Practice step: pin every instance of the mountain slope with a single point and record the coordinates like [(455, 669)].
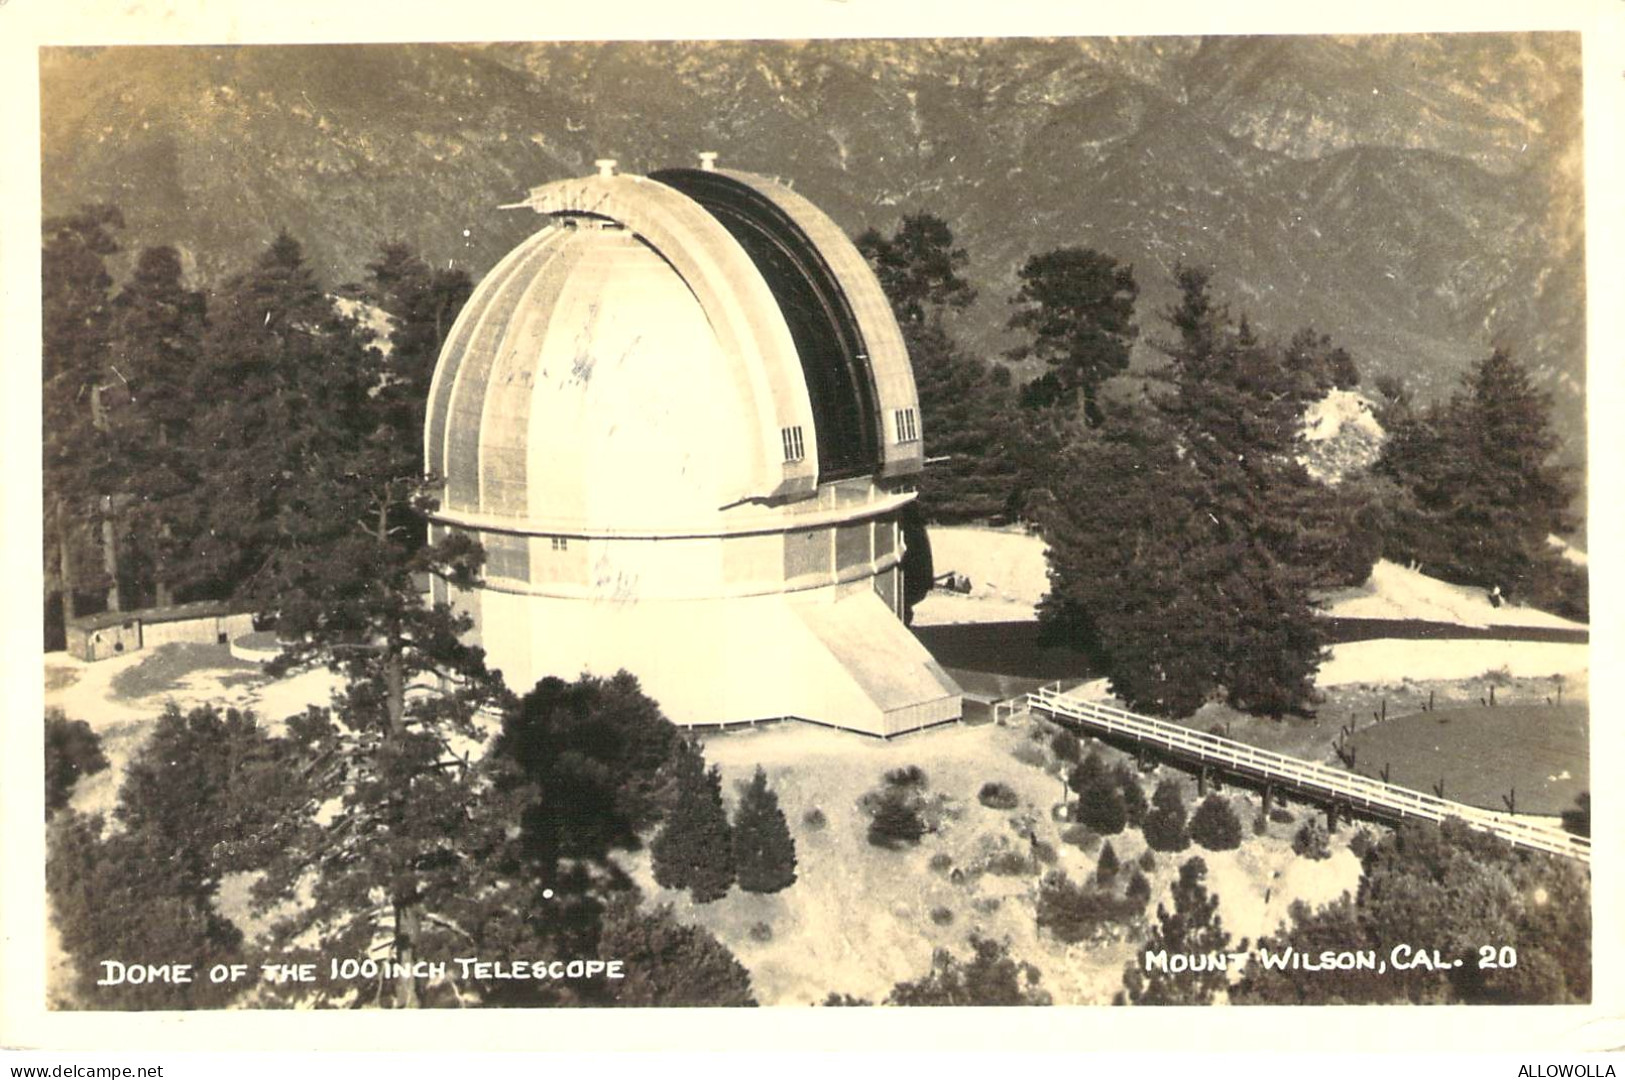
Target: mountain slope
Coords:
[(1417, 197)]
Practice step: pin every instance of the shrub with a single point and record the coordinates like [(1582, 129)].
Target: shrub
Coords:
[(1044, 852), (1072, 912), (908, 776), (1281, 816), (1138, 891), (941, 862), (997, 796), (814, 819), (1164, 825), (761, 931), (1106, 869), (896, 821), (1311, 840), (1215, 825), (1090, 772), (72, 750), (1066, 746), (1148, 860), (1134, 805), (764, 852), (1028, 754), (1081, 836), (694, 849), (1009, 864), (941, 916), (1361, 843), (1261, 825), (1101, 807)]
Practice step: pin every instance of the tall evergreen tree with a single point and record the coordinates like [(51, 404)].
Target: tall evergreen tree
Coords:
[(694, 848), (158, 342), (963, 404), (670, 964), (919, 268), (1193, 927), (764, 851), (1483, 489), (1177, 542), (1078, 305), (77, 330)]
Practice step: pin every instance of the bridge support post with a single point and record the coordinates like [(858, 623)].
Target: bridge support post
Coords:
[(1269, 799), (1331, 817), (1201, 781)]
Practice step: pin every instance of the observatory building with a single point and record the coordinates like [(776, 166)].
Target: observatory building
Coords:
[(681, 420)]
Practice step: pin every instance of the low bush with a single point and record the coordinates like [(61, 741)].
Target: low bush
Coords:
[(1361, 843), (1066, 746), (1281, 816), (1082, 837), (1261, 825), (908, 776), (1215, 825), (1044, 852), (941, 916), (1134, 804), (761, 932), (987, 905), (1028, 754), (1072, 912), (1164, 825), (941, 862), (814, 819), (997, 796), (1138, 891), (72, 751), (1009, 864), (1101, 807), (1106, 869), (1311, 840), (896, 821), (1148, 860)]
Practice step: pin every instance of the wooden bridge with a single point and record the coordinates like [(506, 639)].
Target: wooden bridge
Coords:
[(1324, 784)]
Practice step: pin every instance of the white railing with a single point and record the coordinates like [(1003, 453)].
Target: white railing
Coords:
[(1353, 789)]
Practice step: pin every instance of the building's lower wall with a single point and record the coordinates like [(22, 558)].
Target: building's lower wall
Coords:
[(728, 661), (209, 630)]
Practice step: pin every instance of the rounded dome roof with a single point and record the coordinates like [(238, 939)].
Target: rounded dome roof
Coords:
[(662, 351)]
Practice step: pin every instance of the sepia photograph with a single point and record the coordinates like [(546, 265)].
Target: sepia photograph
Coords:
[(812, 522)]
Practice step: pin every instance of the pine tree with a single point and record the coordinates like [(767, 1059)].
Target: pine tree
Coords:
[(963, 405), (1078, 305), (202, 791), (1215, 825), (694, 849), (1483, 489), (669, 964), (158, 331), (1164, 827), (1108, 865), (1193, 927), (919, 268), (1177, 545), (764, 852), (77, 328)]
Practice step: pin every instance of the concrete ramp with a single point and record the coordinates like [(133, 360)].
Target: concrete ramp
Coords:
[(873, 650)]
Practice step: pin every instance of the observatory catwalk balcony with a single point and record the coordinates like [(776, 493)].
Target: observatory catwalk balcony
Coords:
[(681, 420)]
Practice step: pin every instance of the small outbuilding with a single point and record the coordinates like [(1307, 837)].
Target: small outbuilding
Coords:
[(115, 633)]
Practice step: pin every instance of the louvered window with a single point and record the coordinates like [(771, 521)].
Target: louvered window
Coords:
[(794, 450), (908, 428)]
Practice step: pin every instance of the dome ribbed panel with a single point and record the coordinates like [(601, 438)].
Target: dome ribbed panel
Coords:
[(467, 402), (511, 388), (457, 343)]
